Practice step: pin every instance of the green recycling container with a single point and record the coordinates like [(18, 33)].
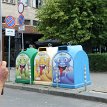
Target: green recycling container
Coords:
[(25, 66)]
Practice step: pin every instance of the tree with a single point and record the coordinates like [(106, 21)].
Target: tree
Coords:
[(72, 21)]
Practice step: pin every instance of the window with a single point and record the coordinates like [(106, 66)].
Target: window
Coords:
[(36, 3), (12, 1), (5, 1), (35, 22), (3, 19), (9, 1), (25, 2), (27, 22)]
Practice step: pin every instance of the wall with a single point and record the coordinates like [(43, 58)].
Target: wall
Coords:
[(12, 10)]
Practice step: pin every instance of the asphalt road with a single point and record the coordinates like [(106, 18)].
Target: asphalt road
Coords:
[(21, 98)]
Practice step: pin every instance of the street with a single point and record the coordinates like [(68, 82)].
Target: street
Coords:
[(21, 98)]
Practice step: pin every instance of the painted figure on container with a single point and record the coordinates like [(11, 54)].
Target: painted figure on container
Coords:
[(63, 68), (43, 71), (22, 67)]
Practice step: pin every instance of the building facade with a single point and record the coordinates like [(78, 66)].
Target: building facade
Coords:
[(10, 7), (30, 34)]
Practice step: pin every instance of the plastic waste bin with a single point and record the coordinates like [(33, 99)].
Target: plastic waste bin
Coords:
[(25, 66), (43, 65), (71, 67)]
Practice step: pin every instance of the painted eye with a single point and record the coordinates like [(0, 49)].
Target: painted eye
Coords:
[(58, 60), (65, 59)]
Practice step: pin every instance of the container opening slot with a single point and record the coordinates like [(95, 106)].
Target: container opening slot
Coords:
[(62, 48), (42, 49)]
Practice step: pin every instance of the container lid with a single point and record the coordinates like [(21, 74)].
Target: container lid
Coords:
[(30, 52)]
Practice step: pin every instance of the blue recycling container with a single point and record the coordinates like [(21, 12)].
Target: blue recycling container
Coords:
[(71, 67)]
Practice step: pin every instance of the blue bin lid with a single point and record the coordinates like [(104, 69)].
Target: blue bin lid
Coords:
[(71, 49)]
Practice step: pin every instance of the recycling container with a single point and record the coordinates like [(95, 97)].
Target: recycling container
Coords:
[(25, 66), (70, 67), (43, 65)]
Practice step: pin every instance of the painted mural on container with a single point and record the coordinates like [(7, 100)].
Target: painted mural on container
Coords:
[(42, 67), (63, 68), (23, 67)]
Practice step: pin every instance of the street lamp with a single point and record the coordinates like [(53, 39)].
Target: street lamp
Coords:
[(0, 30)]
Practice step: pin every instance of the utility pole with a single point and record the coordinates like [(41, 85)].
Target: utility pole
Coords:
[(0, 30)]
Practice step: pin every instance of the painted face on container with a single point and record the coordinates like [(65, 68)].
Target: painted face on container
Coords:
[(22, 66), (62, 63), (63, 68), (42, 67)]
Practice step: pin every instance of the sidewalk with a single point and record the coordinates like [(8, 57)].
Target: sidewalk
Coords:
[(97, 91)]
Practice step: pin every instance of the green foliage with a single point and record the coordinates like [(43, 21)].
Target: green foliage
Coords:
[(98, 62), (73, 21)]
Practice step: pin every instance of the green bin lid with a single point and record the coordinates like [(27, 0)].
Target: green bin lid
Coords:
[(30, 52)]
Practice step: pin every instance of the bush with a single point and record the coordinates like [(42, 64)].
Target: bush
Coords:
[(98, 62)]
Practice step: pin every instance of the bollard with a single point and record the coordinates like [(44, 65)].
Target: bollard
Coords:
[(57, 79), (85, 79), (30, 79)]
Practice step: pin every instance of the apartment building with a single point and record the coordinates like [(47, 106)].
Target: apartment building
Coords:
[(30, 34)]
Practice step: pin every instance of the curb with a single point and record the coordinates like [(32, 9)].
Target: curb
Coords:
[(58, 92)]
